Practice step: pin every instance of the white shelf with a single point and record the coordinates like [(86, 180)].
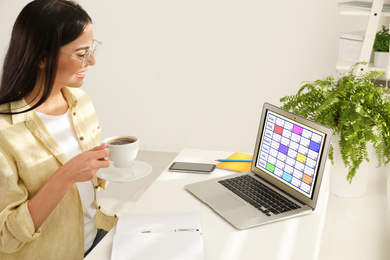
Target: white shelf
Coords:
[(349, 11), (343, 66)]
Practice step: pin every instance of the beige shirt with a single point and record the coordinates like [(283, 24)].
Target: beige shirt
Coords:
[(29, 155)]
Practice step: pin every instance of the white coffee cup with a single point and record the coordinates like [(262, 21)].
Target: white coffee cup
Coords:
[(122, 150)]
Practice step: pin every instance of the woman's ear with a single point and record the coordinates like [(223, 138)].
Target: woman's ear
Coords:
[(42, 63)]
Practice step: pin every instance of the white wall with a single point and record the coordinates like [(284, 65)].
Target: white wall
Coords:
[(195, 73)]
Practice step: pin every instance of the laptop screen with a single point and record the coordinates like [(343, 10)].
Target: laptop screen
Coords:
[(290, 152)]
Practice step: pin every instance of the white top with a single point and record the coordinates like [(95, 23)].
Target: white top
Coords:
[(62, 130)]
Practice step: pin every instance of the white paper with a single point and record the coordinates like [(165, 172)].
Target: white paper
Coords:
[(158, 236)]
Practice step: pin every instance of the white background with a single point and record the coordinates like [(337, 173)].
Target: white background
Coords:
[(195, 73)]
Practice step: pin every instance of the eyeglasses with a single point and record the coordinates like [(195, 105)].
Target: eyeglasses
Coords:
[(84, 58)]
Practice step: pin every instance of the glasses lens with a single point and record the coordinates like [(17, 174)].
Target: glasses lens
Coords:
[(96, 46), (85, 59)]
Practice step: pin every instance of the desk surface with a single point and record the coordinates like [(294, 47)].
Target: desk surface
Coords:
[(296, 238)]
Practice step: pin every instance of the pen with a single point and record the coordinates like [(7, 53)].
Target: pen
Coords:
[(233, 160), (175, 230), (186, 230)]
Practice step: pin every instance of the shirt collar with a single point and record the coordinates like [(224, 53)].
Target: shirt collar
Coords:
[(21, 105), (16, 106), (70, 97)]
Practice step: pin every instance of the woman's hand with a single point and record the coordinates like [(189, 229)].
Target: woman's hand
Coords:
[(84, 166)]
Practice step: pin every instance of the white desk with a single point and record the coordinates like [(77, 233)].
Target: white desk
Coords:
[(297, 238)]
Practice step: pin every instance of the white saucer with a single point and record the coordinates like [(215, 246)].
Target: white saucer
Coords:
[(136, 171)]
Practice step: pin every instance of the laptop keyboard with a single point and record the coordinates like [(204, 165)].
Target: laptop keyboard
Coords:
[(259, 195)]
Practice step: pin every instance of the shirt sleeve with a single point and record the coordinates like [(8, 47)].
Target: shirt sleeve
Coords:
[(16, 225)]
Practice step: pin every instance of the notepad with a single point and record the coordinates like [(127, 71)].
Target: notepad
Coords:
[(237, 166), (158, 236)]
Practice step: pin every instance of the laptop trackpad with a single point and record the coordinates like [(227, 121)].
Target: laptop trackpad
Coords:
[(224, 202)]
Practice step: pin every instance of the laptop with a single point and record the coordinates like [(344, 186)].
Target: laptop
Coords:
[(285, 178)]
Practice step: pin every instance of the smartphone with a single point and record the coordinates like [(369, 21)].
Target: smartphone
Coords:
[(192, 167)]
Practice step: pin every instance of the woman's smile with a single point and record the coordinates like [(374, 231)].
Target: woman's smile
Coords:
[(81, 74)]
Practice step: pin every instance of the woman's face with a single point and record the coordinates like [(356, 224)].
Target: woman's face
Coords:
[(70, 72)]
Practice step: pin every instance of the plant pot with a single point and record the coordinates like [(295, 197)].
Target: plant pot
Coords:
[(339, 185), (381, 59)]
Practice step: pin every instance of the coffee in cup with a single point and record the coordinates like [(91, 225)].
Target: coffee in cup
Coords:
[(121, 141), (122, 150)]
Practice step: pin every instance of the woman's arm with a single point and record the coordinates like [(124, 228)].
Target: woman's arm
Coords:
[(81, 168)]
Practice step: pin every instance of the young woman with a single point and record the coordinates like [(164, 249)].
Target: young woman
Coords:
[(49, 136)]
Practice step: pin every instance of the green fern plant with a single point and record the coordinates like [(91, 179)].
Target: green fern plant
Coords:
[(382, 40), (355, 108)]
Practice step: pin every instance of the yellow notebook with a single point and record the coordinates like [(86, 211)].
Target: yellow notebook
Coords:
[(237, 166)]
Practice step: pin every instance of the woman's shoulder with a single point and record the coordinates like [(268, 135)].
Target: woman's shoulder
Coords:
[(5, 107), (6, 119)]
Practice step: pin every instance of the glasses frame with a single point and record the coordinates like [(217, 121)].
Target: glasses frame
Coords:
[(86, 56)]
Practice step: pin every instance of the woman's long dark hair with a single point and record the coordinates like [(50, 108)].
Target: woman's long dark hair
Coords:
[(42, 27)]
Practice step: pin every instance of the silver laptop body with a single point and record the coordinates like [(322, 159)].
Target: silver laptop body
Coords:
[(289, 157)]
